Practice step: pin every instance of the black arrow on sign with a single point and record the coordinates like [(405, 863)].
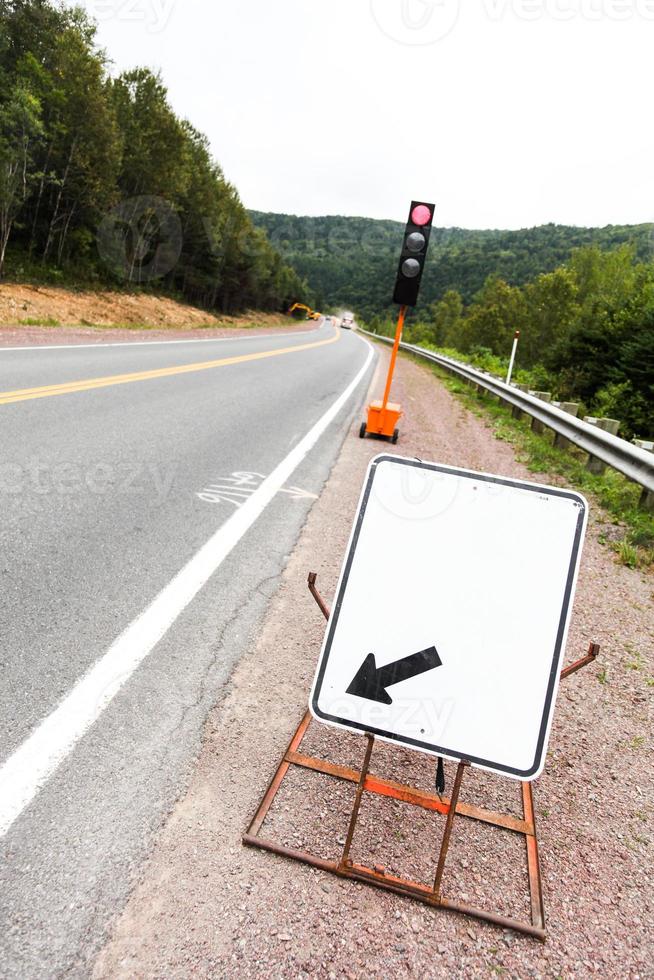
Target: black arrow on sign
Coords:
[(370, 681)]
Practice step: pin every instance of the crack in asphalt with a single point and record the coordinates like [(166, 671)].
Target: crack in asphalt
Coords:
[(216, 648)]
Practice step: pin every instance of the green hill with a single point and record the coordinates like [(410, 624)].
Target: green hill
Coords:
[(352, 261)]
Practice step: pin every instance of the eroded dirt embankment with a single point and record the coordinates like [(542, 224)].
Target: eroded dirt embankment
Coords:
[(52, 315)]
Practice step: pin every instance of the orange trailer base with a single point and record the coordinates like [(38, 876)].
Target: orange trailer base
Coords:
[(382, 422)]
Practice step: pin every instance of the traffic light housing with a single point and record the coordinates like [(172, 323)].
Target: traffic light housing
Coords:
[(414, 253)]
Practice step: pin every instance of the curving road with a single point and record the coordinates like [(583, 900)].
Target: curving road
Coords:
[(150, 494)]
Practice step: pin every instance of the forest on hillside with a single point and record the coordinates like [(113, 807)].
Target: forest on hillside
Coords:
[(101, 182), (586, 332), (351, 262)]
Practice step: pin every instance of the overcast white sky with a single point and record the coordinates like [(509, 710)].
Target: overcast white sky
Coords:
[(507, 113)]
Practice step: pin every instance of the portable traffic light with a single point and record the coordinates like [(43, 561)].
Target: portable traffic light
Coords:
[(384, 415), (414, 253)]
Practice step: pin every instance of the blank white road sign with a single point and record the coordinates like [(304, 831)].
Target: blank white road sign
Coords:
[(451, 615)]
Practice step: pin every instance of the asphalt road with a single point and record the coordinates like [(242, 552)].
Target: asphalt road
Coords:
[(109, 488)]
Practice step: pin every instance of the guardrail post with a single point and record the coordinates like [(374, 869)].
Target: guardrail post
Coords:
[(544, 396), (593, 464), (572, 408), (517, 413), (647, 496)]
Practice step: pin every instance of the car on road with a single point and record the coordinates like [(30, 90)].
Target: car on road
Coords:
[(347, 321)]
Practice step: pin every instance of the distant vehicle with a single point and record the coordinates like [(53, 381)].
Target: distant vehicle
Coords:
[(347, 321)]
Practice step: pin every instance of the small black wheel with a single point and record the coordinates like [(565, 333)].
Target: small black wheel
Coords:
[(362, 431), (396, 436)]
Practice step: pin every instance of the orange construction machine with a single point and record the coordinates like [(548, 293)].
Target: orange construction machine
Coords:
[(311, 314)]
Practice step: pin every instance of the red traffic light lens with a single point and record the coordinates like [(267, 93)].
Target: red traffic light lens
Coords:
[(421, 215)]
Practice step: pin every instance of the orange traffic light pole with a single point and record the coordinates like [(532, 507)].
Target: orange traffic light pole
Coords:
[(396, 347), (383, 416)]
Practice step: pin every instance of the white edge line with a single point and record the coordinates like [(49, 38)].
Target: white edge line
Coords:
[(154, 343), (30, 766)]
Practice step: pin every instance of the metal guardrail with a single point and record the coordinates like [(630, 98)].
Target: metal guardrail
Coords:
[(635, 463)]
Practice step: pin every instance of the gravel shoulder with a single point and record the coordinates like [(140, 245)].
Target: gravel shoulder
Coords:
[(207, 906)]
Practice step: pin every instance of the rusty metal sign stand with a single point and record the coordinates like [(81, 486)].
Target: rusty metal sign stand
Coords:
[(366, 782)]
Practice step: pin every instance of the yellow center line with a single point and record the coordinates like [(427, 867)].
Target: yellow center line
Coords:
[(70, 387)]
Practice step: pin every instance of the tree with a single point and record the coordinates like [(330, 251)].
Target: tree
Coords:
[(20, 128), (496, 313), (552, 310), (85, 147), (636, 363), (446, 316)]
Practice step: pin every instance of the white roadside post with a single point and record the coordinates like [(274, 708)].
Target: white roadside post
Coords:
[(513, 353)]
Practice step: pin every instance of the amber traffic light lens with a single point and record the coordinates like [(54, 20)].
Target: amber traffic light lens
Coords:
[(416, 242)]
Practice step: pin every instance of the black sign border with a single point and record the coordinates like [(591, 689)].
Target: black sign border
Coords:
[(558, 649)]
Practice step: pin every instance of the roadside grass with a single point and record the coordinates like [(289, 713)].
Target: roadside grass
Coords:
[(39, 321), (630, 530)]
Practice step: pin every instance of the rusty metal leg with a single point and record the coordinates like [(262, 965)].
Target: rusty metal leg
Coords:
[(533, 863), (278, 778), (345, 858), (322, 605), (448, 829), (591, 656)]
